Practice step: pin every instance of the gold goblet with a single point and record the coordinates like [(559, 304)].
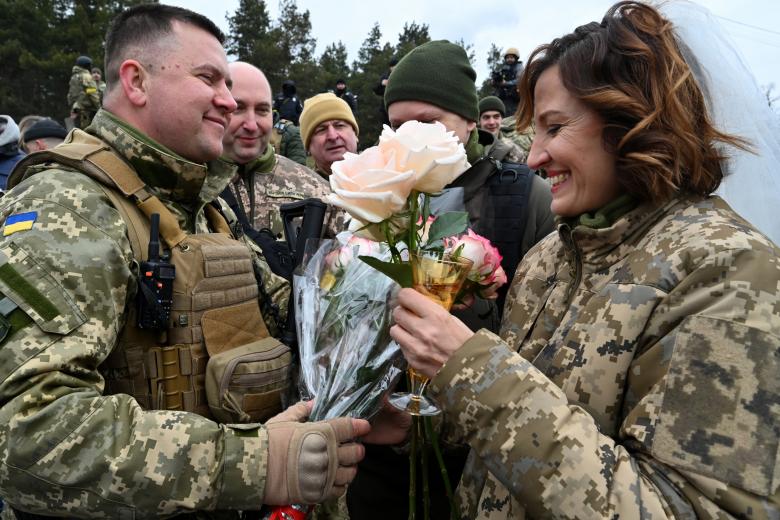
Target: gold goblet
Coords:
[(438, 277)]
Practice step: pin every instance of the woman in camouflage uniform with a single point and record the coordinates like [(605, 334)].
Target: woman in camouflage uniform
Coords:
[(636, 374)]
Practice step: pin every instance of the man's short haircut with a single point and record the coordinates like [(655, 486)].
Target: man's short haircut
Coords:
[(144, 25)]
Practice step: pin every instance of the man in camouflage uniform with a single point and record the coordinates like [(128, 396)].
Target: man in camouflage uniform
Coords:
[(265, 180), (491, 113), (68, 277), (286, 140), (329, 130), (521, 139), (83, 95)]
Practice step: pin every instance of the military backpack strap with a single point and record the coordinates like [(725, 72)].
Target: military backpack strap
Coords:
[(276, 252), (509, 190), (91, 156), (217, 220)]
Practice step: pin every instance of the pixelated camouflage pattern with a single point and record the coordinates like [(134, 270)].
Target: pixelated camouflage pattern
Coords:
[(287, 181), (636, 375), (65, 448), (519, 141), (83, 96)]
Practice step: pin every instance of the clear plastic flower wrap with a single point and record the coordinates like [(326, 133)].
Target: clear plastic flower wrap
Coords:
[(348, 360)]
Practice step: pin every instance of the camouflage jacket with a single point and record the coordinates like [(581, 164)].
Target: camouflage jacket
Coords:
[(82, 91), (287, 181), (636, 375), (65, 448), (519, 141), (286, 140)]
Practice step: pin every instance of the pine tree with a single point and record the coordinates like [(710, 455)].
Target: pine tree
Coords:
[(372, 61), (249, 29), (39, 43), (495, 59), (332, 67), (469, 48), (411, 36)]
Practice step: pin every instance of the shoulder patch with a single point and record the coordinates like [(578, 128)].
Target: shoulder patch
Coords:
[(19, 222)]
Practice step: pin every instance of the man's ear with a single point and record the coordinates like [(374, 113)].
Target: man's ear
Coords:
[(135, 81), (471, 126)]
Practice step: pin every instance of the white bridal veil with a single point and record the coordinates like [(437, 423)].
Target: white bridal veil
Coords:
[(752, 180)]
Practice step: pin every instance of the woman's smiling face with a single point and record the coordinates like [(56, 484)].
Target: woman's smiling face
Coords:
[(570, 147)]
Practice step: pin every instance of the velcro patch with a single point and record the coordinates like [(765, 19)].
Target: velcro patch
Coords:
[(19, 222)]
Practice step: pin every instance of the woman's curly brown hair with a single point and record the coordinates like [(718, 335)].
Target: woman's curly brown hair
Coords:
[(630, 70)]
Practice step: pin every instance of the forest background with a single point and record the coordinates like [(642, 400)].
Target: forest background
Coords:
[(40, 40)]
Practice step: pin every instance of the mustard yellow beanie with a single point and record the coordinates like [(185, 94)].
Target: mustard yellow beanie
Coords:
[(321, 108)]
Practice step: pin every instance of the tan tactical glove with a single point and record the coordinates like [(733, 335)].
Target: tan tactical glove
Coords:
[(309, 462)]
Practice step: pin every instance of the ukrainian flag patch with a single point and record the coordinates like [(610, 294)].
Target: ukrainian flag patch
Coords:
[(19, 222)]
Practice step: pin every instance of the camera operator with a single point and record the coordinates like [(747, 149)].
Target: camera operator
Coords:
[(505, 80)]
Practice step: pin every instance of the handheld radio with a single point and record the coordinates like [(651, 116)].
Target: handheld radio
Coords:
[(155, 284)]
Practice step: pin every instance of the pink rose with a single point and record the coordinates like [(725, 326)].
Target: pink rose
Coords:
[(490, 292), (486, 270), (338, 259)]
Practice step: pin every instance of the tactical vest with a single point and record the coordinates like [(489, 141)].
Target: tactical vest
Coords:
[(215, 320), (505, 210)]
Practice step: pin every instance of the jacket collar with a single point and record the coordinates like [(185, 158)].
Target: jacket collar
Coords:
[(599, 248), (167, 174)]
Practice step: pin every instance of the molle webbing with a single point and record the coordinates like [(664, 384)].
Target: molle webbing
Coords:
[(215, 292)]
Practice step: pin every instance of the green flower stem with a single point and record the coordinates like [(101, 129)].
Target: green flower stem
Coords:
[(413, 470), (385, 227), (413, 210), (426, 209), (430, 433), (425, 483)]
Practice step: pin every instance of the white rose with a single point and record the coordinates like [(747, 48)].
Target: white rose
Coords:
[(370, 186), (435, 155)]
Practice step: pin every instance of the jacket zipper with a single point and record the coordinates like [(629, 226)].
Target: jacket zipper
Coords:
[(569, 242)]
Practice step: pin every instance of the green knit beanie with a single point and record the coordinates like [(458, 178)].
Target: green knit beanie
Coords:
[(438, 73), (492, 103)]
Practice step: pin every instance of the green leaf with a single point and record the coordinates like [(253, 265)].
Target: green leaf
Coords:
[(401, 273), (448, 224)]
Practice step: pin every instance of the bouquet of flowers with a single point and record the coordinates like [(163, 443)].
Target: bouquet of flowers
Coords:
[(348, 360)]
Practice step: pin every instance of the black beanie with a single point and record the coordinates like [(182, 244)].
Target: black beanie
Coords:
[(44, 128), (85, 62), (439, 73), (492, 103)]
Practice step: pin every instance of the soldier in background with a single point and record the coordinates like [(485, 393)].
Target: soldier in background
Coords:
[(341, 92), (97, 75), (83, 95), (286, 140), (265, 179), (491, 114), (287, 103), (102, 414), (25, 123), (329, 130), (43, 135), (9, 148), (505, 79)]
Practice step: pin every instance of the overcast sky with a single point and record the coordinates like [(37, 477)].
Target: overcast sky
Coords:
[(519, 23)]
